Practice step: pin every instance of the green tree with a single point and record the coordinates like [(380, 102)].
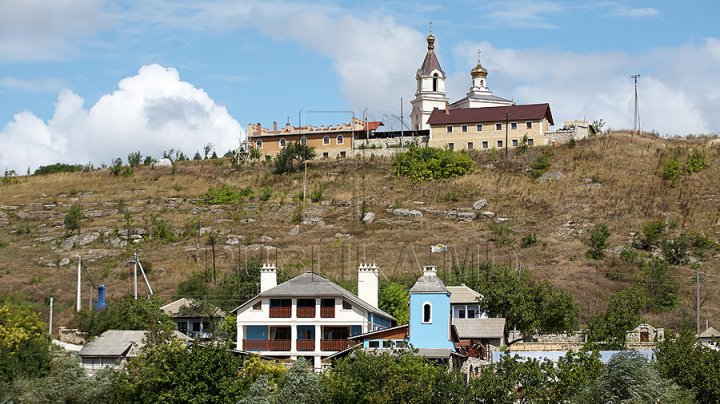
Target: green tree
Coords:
[(622, 315), (671, 170), (690, 365), (116, 166), (24, 344), (598, 241), (207, 148), (197, 156), (393, 297), (134, 159), (301, 385), (539, 166), (429, 163), (125, 314), (660, 288), (292, 157), (73, 218)]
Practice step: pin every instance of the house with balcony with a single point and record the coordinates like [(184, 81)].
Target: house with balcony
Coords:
[(195, 318), (308, 316)]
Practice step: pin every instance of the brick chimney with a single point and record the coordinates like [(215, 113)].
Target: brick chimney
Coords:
[(275, 126), (368, 283), (268, 277), (447, 108)]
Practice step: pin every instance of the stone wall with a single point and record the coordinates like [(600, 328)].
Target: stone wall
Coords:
[(571, 130)]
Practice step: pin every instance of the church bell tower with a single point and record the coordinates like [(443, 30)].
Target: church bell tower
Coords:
[(430, 92)]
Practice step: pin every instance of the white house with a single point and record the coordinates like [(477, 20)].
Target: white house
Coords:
[(308, 316)]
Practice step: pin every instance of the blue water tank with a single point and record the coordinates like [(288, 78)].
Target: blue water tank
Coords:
[(101, 303)]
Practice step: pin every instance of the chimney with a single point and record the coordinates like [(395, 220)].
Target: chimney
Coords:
[(429, 270), (275, 126), (368, 283), (268, 277), (447, 108)]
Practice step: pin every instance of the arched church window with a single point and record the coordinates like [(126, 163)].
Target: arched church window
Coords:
[(435, 82), (427, 313), (482, 83), (282, 142), (303, 141), (340, 139), (326, 140), (258, 144)]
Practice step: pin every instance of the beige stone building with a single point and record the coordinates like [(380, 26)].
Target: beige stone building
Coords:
[(489, 127), (331, 141)]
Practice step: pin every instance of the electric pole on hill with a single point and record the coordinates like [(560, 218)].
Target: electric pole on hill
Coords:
[(636, 117)]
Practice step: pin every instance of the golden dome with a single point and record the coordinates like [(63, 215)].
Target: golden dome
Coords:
[(431, 41), (479, 71)]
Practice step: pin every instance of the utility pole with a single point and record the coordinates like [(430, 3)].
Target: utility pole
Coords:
[(636, 117), (401, 123), (697, 302), (79, 280), (50, 328), (507, 119), (135, 268)]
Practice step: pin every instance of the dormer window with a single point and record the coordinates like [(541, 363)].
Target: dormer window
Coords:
[(427, 313)]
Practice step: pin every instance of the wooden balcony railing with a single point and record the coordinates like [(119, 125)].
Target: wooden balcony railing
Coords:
[(305, 344), (306, 312), (280, 312), (266, 344), (327, 312), (334, 344)]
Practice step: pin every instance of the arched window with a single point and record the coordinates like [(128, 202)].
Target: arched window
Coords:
[(340, 139), (427, 313), (435, 82), (282, 142), (258, 144), (482, 83), (326, 140), (303, 141)]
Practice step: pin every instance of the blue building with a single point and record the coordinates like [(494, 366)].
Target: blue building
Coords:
[(430, 324)]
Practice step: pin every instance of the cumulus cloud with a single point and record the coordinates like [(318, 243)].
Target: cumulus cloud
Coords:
[(151, 112), (679, 87)]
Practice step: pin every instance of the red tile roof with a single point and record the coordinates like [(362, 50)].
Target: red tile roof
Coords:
[(491, 114), (372, 125)]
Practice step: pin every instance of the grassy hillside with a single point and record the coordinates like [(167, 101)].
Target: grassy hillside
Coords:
[(615, 179)]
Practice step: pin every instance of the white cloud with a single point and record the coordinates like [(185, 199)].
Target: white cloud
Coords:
[(33, 30), (151, 112), (522, 13), (679, 87), (36, 85), (637, 13)]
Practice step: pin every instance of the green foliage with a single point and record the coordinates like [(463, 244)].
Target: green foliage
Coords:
[(622, 315), (134, 159), (163, 231), (429, 163), (630, 377), (690, 365), (226, 195), (660, 289), (528, 240), (292, 157), (24, 344), (596, 126), (116, 167), (671, 170), (301, 385), (265, 194), (124, 314), (572, 143), (57, 168), (539, 166), (3, 244), (317, 193), (653, 231), (697, 161), (523, 147), (629, 255), (193, 287), (73, 218), (502, 233), (598, 241), (393, 297), (674, 250), (9, 178), (149, 161), (380, 378)]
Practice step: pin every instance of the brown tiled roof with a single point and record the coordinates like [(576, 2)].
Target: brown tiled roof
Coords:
[(491, 114), (430, 63)]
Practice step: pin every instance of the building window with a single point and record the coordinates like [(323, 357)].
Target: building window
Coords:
[(326, 155), (258, 144), (373, 344), (463, 128), (303, 141), (282, 142), (461, 312), (342, 154), (513, 125), (499, 143), (435, 82), (449, 129), (530, 142), (470, 146), (401, 344), (257, 306), (340, 139), (347, 305), (451, 146), (498, 126), (478, 127), (528, 125), (485, 144), (387, 344), (515, 142), (471, 313), (427, 313), (326, 140)]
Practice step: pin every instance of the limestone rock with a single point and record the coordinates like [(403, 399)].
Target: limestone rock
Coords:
[(502, 219), (294, 231), (407, 212), (479, 204), (64, 262), (368, 217), (487, 213), (551, 176)]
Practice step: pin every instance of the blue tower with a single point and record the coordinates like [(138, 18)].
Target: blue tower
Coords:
[(430, 312), (101, 303)]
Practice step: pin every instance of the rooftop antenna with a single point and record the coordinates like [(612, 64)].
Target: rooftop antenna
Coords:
[(636, 117)]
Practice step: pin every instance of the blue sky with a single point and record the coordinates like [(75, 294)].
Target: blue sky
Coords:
[(90, 80)]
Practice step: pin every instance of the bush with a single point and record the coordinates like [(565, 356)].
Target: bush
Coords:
[(265, 194), (429, 163), (528, 241), (226, 194), (539, 166), (674, 250), (671, 170), (598, 241), (163, 231), (116, 167), (503, 234), (134, 159), (57, 168), (317, 193), (696, 162), (653, 231), (73, 218), (292, 157)]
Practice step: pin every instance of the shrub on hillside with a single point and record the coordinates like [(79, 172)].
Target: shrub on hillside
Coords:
[(539, 166), (226, 194), (671, 170), (696, 162), (292, 156), (57, 168), (429, 163), (599, 235)]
